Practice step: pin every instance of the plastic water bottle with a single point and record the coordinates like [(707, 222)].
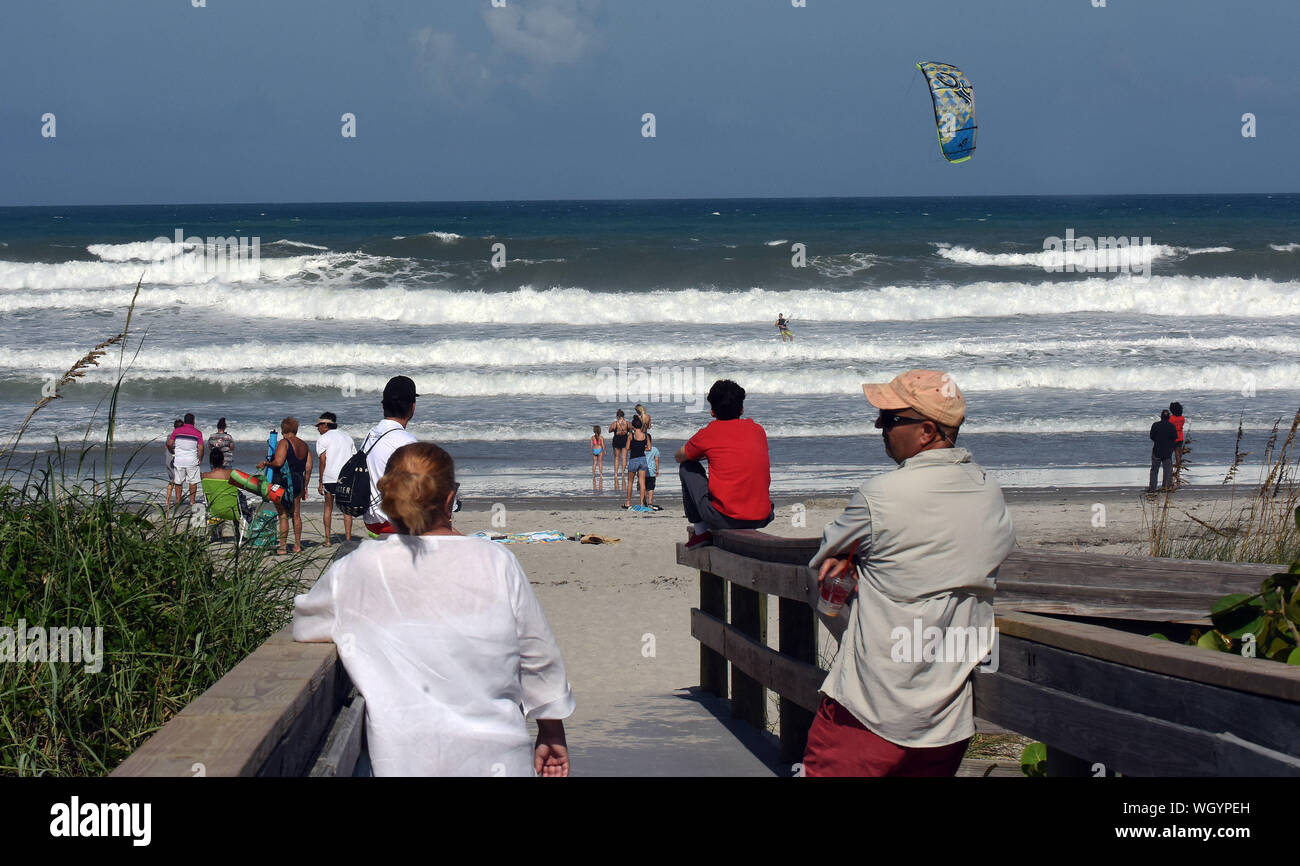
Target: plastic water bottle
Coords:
[(836, 591)]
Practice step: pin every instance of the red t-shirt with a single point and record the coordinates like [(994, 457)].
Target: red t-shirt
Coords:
[(1178, 421), (738, 467)]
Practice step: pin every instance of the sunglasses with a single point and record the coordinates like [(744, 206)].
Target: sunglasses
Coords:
[(890, 421)]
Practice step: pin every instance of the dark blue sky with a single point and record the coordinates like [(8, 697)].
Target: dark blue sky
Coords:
[(160, 102)]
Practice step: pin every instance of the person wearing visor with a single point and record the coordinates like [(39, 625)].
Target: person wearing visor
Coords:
[(925, 541)]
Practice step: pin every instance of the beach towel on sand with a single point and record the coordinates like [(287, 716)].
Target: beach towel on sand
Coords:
[(544, 536)]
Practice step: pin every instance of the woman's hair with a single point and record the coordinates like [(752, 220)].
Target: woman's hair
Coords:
[(640, 410), (289, 426), (636, 422), (415, 486), (217, 458), (1176, 408), (618, 414), (221, 425), (595, 429)]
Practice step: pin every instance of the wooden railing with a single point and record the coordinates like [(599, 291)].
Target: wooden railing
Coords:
[(288, 709), (1104, 700)]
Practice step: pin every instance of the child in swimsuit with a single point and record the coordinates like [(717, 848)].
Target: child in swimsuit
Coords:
[(597, 444), (620, 430)]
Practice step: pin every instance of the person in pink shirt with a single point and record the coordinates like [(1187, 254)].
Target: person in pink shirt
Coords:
[(186, 447)]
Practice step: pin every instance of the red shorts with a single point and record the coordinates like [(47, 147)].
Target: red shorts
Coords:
[(839, 745)]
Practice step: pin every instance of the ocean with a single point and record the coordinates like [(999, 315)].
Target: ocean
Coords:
[(592, 306)]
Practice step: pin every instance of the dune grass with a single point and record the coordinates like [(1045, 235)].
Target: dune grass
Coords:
[(1257, 521), (76, 551)]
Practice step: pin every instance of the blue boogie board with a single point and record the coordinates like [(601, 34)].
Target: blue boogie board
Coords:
[(271, 442)]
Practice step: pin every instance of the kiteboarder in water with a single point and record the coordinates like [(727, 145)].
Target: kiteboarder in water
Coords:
[(783, 326)]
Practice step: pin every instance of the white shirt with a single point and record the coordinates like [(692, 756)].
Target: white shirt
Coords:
[(377, 461), (931, 535), (447, 643), (337, 446)]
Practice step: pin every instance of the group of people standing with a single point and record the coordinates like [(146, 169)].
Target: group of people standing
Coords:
[(1170, 444), (636, 459), (290, 466)]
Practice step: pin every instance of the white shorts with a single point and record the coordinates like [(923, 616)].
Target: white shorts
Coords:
[(185, 475)]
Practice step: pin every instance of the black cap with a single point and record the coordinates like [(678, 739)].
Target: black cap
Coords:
[(1164, 413), (400, 388)]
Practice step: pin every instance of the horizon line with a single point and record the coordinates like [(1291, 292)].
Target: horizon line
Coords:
[(651, 199)]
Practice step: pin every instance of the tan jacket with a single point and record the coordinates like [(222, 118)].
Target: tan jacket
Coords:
[(931, 535)]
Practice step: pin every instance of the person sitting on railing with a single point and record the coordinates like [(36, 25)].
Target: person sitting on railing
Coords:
[(929, 537), (733, 493), (443, 637)]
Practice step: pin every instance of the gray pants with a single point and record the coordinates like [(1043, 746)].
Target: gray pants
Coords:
[(699, 507), (1157, 464)]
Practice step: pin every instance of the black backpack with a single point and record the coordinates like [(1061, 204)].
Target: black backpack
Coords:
[(353, 493)]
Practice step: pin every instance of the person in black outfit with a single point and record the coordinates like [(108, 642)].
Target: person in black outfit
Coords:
[(1164, 434)]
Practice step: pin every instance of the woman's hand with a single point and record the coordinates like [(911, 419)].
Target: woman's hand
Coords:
[(551, 753)]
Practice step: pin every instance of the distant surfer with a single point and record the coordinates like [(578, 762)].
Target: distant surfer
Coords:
[(783, 326)]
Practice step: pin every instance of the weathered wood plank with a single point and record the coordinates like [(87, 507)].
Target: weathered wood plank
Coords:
[(990, 768), (713, 666), (780, 579), (1029, 563), (342, 747), (1270, 722), (765, 547), (798, 681), (1110, 596), (1151, 615), (1256, 676), (749, 617), (1123, 741), (237, 726), (797, 627)]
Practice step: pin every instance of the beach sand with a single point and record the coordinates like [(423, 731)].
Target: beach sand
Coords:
[(621, 611)]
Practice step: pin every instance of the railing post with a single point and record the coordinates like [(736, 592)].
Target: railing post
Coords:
[(797, 625), (749, 616), (713, 601)]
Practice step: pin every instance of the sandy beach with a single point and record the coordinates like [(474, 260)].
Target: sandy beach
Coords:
[(620, 611)]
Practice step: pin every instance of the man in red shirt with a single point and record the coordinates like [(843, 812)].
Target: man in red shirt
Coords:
[(733, 493)]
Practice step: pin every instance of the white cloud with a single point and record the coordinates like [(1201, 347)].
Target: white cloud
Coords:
[(453, 72), (546, 32), (528, 38)]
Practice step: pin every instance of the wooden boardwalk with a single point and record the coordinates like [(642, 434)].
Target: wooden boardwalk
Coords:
[(1136, 705)]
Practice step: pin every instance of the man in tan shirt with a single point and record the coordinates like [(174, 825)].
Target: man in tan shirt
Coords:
[(926, 541)]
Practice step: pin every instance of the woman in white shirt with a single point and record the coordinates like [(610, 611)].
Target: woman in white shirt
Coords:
[(443, 637)]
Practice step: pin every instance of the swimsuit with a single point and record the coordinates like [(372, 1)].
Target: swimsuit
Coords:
[(596, 449), (292, 475), (620, 439)]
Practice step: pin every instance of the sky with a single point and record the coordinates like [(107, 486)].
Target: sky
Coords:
[(162, 101)]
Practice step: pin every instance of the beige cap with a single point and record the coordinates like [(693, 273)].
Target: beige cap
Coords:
[(932, 393)]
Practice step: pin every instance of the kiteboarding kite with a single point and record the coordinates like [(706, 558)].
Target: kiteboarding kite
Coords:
[(954, 109)]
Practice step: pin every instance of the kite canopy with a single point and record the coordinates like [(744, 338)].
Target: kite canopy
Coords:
[(954, 109)]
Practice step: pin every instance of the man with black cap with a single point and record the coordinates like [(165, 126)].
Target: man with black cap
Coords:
[(1165, 436), (385, 438)]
